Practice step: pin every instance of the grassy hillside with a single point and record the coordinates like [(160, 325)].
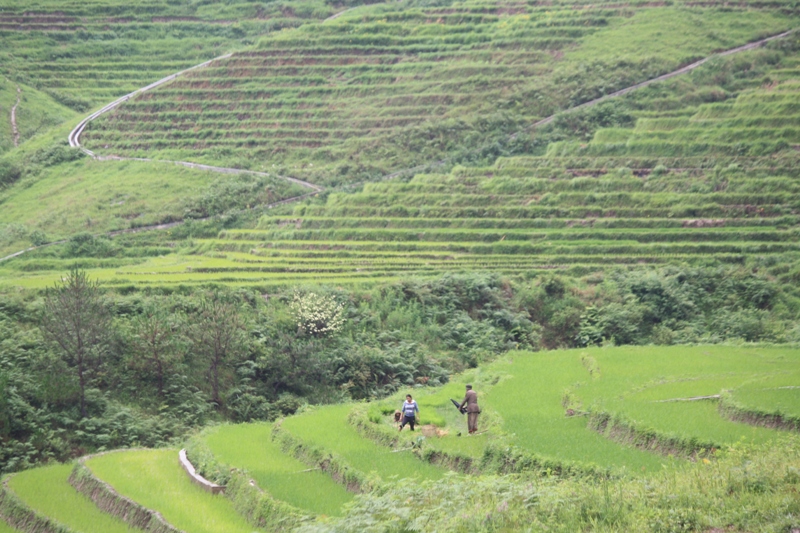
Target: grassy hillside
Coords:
[(35, 113), (696, 170), (85, 54), (394, 86), (89, 196)]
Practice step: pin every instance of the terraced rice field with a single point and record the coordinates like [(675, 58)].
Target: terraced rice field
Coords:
[(525, 397), (86, 54), (47, 491), (327, 428), (698, 184), (250, 447), (757, 122), (386, 86), (775, 394), (155, 479)]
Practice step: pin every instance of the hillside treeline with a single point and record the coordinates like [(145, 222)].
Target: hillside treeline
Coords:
[(83, 369)]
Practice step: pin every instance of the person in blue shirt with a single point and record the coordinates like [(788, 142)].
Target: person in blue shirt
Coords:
[(409, 410)]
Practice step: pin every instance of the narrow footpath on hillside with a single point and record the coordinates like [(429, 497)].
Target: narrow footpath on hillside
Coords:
[(14, 129), (75, 134)]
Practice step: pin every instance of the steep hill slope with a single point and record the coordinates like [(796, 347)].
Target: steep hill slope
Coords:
[(84, 54), (25, 113), (384, 88)]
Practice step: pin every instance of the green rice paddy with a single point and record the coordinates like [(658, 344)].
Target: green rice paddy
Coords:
[(47, 491), (525, 397), (5, 528), (327, 428), (772, 394), (530, 404), (155, 479), (637, 381), (249, 446)]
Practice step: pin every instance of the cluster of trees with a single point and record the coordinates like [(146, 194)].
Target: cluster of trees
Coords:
[(84, 369)]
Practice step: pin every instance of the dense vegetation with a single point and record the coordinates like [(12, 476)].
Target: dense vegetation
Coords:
[(367, 344)]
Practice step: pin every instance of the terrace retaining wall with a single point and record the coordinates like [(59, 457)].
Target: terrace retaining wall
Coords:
[(341, 472), (196, 478), (110, 501), (625, 432), (738, 413)]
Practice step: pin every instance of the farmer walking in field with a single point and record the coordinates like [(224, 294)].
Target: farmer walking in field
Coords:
[(410, 410), (471, 401)]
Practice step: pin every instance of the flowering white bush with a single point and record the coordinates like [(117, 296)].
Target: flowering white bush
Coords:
[(317, 314)]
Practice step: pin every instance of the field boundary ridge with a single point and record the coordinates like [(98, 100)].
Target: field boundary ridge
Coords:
[(196, 478), (258, 506), (497, 458), (21, 517), (622, 431), (737, 412), (342, 472), (108, 500)]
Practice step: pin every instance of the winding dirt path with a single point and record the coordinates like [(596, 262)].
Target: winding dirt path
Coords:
[(683, 70), (75, 134), (621, 92), (14, 129)]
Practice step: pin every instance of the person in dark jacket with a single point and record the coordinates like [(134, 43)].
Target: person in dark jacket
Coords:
[(471, 402), (410, 410)]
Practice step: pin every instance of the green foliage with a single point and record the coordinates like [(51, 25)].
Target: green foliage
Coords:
[(682, 305), (75, 321), (240, 192), (701, 497)]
